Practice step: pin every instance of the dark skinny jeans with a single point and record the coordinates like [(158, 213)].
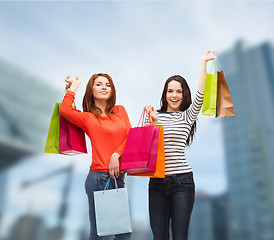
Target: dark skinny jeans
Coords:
[(171, 198)]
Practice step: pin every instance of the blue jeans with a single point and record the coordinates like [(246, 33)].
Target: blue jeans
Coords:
[(171, 198), (96, 181)]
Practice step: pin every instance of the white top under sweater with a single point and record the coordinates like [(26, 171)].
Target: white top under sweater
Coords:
[(177, 126)]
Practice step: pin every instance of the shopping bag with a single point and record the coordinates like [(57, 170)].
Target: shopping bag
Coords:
[(71, 138), (160, 165), (210, 93), (140, 154), (52, 143), (224, 101), (112, 211)]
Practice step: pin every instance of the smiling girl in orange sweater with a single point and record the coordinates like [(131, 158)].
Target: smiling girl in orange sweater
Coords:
[(107, 126)]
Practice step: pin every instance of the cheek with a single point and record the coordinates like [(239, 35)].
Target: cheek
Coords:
[(109, 90), (168, 95), (95, 90), (181, 100)]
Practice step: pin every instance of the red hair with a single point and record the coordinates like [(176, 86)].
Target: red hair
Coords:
[(88, 100)]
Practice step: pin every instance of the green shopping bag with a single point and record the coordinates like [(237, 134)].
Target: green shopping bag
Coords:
[(52, 143), (210, 94)]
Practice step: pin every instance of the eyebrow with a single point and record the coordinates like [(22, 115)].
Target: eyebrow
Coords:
[(176, 89), (102, 82)]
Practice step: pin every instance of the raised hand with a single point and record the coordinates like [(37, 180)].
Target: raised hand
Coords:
[(72, 85), (207, 57)]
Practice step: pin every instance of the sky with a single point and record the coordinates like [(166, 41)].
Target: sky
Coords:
[(140, 44)]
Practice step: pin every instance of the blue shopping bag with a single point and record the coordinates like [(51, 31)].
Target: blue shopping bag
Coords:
[(112, 211)]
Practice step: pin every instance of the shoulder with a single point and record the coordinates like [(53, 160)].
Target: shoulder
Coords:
[(119, 109), (88, 115)]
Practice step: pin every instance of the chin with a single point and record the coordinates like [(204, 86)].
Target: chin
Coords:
[(102, 98), (175, 107)]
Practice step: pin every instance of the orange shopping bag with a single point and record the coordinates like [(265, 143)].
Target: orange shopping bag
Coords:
[(160, 165)]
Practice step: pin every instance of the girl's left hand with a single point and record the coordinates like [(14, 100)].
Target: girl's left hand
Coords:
[(207, 57), (114, 165), (153, 114)]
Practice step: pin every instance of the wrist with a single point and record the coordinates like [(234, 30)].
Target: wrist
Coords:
[(116, 155), (74, 87), (203, 61), (154, 122)]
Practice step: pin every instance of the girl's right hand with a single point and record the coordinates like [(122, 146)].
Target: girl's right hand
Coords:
[(72, 85), (153, 114), (208, 57)]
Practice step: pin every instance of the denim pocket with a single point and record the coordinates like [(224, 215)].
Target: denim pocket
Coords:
[(185, 179), (152, 181), (102, 178), (155, 183), (121, 180), (121, 176)]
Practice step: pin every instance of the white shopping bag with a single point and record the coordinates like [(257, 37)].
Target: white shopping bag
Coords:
[(112, 211)]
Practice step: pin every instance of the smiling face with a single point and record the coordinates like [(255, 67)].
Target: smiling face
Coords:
[(174, 96), (101, 88)]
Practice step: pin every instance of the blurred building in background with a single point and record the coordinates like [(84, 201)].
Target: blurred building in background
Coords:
[(246, 212), (209, 217), (249, 141), (26, 105), (28, 227), (25, 109)]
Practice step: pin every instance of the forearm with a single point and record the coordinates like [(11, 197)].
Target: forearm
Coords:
[(75, 117), (201, 86), (66, 106), (73, 84), (121, 148), (73, 88)]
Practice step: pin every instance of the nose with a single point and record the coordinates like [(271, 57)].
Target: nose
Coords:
[(174, 94)]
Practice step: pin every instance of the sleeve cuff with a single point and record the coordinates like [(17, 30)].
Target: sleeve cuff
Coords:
[(119, 152), (70, 93), (199, 93)]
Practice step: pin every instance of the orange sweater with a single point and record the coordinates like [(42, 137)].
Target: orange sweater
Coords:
[(107, 135)]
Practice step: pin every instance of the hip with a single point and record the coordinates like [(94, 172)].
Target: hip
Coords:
[(174, 182), (96, 181)]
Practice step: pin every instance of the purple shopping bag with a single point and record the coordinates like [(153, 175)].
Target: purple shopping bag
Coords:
[(71, 138), (140, 154)]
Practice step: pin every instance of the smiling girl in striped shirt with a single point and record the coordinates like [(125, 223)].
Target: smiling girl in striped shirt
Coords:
[(172, 197)]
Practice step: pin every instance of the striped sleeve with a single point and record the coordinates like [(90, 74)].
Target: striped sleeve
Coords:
[(194, 109)]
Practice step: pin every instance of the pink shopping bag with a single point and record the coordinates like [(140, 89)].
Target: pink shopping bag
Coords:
[(140, 154), (71, 138)]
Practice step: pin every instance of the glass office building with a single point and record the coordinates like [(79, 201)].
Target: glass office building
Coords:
[(26, 105), (249, 141), (209, 217)]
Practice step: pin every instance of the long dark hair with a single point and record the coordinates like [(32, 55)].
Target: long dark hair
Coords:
[(184, 105), (88, 100)]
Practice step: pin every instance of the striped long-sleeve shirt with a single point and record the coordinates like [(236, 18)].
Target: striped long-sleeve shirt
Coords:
[(177, 126)]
